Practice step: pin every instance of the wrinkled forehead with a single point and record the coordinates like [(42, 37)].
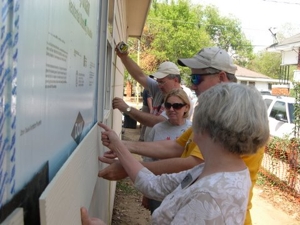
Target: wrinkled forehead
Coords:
[(163, 79)]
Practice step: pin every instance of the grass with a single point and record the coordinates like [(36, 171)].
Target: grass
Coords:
[(261, 180), (126, 187)]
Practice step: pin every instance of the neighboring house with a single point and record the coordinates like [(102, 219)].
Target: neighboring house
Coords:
[(251, 78), (290, 55), (58, 76), (289, 49)]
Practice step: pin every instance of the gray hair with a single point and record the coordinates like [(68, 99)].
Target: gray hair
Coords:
[(233, 115), (173, 76)]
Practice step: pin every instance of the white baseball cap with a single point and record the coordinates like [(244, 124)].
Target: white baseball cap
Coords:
[(212, 57), (165, 69)]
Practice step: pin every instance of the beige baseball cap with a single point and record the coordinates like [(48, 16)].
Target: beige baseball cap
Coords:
[(211, 57), (165, 69)]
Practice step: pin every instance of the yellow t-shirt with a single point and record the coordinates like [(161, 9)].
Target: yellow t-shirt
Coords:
[(190, 147), (253, 162)]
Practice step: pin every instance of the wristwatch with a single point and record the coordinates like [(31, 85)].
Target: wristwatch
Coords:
[(128, 110)]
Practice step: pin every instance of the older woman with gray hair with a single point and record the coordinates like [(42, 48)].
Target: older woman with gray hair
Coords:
[(229, 121)]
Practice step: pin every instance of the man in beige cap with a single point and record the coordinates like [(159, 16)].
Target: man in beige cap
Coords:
[(167, 78)]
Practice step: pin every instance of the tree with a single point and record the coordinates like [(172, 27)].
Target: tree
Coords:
[(177, 29), (286, 30), (267, 63), (226, 32)]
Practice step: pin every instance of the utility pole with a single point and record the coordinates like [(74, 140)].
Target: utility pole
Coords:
[(273, 34)]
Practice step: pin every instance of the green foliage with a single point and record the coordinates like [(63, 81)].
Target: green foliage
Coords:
[(286, 30), (125, 187), (226, 32), (277, 148), (267, 63), (297, 109), (261, 180), (177, 29)]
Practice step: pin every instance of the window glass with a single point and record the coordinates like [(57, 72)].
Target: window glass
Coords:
[(109, 76), (291, 112), (251, 83), (278, 108), (111, 16), (269, 86)]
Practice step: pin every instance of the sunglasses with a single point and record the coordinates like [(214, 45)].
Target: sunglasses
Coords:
[(175, 105), (196, 79)]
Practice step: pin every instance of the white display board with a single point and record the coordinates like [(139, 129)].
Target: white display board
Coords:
[(55, 70)]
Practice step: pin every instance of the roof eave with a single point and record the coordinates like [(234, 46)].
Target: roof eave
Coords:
[(137, 12)]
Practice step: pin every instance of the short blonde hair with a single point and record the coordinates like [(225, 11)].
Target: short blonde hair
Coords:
[(234, 115), (180, 93)]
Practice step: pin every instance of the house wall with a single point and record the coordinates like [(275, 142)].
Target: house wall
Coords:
[(282, 90), (260, 85), (289, 57), (58, 74)]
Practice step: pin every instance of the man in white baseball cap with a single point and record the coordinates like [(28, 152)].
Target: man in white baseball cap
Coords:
[(167, 78), (165, 69)]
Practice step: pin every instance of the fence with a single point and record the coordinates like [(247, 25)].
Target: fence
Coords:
[(281, 165)]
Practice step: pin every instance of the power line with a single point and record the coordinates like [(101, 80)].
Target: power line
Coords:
[(199, 24), (283, 2)]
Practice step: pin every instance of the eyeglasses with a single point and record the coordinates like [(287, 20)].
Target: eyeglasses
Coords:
[(161, 83), (196, 79), (175, 105)]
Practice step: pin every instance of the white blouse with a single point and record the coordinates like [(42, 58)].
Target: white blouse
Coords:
[(220, 198)]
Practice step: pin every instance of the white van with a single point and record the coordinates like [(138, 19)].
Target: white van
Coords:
[(281, 115)]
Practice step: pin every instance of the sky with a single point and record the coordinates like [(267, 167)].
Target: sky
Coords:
[(258, 16)]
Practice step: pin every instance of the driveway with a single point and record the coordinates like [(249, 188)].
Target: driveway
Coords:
[(264, 213)]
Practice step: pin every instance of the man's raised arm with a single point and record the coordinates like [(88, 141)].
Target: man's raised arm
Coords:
[(133, 69)]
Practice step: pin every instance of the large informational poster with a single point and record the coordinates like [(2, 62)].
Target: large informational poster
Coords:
[(54, 66)]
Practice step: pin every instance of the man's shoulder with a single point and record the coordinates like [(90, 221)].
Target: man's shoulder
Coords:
[(151, 83)]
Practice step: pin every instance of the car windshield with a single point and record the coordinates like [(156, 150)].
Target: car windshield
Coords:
[(291, 112)]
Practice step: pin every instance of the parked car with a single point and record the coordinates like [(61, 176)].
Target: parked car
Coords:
[(281, 115), (265, 92)]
